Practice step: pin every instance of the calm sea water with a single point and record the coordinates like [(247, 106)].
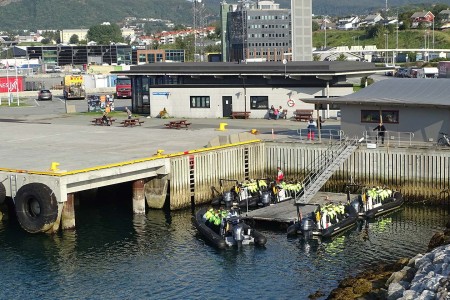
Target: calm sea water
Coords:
[(115, 255)]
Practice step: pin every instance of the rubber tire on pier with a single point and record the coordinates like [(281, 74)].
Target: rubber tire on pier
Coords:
[(36, 207), (2, 193)]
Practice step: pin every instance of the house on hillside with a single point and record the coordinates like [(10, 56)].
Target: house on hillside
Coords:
[(422, 17), (445, 15), (418, 109), (445, 19), (371, 20), (348, 23)]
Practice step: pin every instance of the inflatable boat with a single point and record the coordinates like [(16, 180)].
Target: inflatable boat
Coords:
[(325, 221), (250, 193), (254, 193), (377, 201), (225, 229)]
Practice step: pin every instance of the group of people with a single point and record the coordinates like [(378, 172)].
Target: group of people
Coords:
[(276, 113), (105, 115)]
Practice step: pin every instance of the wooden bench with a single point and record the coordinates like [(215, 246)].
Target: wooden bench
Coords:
[(240, 114), (99, 121), (303, 114), (178, 124), (131, 122)]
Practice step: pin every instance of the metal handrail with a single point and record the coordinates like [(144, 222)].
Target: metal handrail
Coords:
[(325, 134), (390, 137), (330, 154)]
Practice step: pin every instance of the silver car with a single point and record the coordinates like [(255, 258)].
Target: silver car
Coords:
[(45, 95)]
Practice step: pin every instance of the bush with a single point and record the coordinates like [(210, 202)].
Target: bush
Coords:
[(363, 81)]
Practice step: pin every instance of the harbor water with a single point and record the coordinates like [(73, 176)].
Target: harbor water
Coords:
[(115, 255)]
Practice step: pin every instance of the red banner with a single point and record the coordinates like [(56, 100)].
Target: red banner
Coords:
[(11, 84)]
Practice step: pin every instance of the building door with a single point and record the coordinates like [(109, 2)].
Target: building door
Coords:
[(227, 104)]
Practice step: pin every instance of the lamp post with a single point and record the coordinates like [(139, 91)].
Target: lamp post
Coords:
[(386, 46)]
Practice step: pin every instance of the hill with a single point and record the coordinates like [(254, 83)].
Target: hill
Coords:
[(57, 14)]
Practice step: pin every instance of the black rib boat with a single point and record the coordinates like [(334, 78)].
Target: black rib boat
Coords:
[(232, 231), (323, 222), (372, 204)]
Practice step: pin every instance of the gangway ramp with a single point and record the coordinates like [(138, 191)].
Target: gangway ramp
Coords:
[(324, 167)]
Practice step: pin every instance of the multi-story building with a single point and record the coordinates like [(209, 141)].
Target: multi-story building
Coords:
[(258, 30), (97, 54), (66, 34)]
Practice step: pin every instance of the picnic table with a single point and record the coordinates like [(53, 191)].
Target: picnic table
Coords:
[(131, 122), (99, 121), (178, 124)]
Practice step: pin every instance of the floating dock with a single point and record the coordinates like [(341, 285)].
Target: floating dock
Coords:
[(286, 212)]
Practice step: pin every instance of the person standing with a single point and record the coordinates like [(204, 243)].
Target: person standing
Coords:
[(280, 175), (381, 132), (128, 112)]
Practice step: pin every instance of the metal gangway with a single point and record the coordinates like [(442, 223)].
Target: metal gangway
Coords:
[(324, 167)]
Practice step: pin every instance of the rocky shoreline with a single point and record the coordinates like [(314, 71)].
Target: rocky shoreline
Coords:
[(425, 276)]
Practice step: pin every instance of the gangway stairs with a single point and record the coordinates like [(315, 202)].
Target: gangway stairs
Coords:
[(324, 167)]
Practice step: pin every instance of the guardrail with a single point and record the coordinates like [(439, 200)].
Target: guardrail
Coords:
[(391, 138), (306, 134)]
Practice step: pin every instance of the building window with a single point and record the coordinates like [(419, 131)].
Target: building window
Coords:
[(375, 116), (259, 102), (200, 102)]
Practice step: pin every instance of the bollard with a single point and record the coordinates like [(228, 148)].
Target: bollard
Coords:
[(54, 167), (222, 126)]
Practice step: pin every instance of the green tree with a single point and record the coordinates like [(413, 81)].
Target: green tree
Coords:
[(341, 57), (105, 34), (45, 41), (316, 57), (315, 26), (74, 39)]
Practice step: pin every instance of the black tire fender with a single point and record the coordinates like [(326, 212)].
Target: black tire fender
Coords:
[(2, 193), (36, 207)]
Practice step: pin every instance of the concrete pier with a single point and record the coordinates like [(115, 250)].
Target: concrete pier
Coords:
[(138, 197)]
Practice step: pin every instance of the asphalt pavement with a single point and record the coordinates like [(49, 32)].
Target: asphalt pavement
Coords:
[(42, 132)]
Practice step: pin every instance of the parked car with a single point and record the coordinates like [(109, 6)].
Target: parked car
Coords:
[(45, 95)]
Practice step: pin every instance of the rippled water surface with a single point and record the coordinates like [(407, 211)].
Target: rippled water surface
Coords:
[(115, 255)]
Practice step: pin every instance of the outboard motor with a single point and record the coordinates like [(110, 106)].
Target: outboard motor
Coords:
[(228, 198), (238, 234), (356, 204), (265, 198), (307, 224)]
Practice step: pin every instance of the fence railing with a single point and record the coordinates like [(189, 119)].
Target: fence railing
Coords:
[(394, 138), (306, 134)]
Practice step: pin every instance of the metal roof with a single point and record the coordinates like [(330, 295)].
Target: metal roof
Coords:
[(296, 68), (398, 91)]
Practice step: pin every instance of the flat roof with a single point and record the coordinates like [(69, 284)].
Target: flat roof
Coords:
[(293, 69), (397, 91)]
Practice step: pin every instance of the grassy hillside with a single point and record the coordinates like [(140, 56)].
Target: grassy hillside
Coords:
[(57, 14), (406, 39)]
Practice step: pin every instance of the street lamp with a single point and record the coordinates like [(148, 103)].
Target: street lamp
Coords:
[(325, 21), (386, 35)]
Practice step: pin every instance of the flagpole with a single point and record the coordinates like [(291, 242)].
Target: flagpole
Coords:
[(7, 82), (17, 83)]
